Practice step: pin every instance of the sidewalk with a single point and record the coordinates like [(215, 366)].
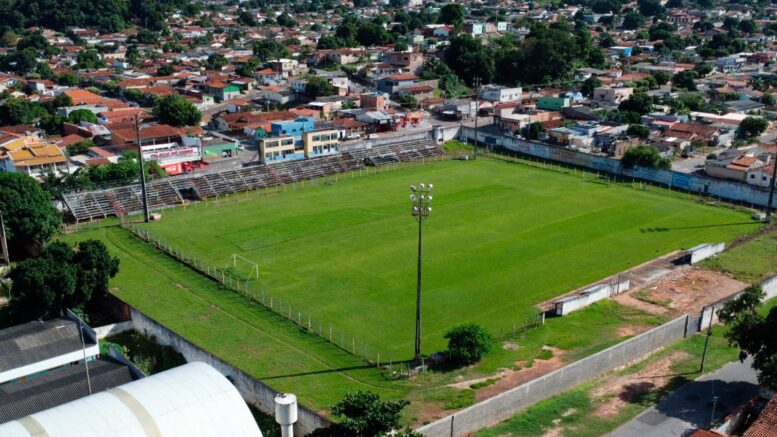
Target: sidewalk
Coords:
[(690, 407)]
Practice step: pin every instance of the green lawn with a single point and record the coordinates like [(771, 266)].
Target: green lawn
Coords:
[(751, 261), (503, 236), (238, 331)]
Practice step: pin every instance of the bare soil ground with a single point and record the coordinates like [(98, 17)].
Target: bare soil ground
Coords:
[(685, 290), (617, 391), (513, 378)]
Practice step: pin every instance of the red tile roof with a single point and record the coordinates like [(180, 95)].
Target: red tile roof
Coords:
[(766, 424)]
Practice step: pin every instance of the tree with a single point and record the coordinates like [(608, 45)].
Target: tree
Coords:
[(165, 70), (650, 8), (409, 101), (79, 115), (588, 86), (286, 20), (638, 130), (467, 343), (267, 49), (18, 111), (661, 77), (89, 58), (684, 80), (177, 111), (364, 414), (633, 20), (61, 278), (702, 69), (468, 58), (216, 61), (644, 156), (29, 217), (768, 99), (318, 87), (753, 332), (752, 127), (639, 103), (532, 130), (452, 13)]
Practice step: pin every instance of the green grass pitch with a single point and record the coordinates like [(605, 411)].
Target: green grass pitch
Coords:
[(502, 237)]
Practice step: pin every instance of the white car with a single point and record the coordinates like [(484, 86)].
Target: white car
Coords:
[(353, 136)]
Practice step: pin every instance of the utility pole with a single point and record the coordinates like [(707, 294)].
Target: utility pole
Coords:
[(771, 190), (420, 199), (142, 170), (477, 108)]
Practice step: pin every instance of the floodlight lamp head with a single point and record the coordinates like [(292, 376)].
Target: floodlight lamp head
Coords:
[(431, 186), (412, 197), (412, 187), (429, 197), (422, 186)]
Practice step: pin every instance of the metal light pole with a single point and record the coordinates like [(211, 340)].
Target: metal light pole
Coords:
[(477, 109), (142, 170), (420, 198), (771, 190)]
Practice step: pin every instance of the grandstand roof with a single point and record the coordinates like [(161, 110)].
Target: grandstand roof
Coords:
[(190, 400)]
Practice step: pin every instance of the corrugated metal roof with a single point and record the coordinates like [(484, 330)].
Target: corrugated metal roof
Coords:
[(59, 387), (31, 342)]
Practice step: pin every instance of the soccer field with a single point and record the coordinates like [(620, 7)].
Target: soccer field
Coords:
[(502, 237)]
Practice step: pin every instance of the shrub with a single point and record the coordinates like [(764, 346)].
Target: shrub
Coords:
[(468, 343)]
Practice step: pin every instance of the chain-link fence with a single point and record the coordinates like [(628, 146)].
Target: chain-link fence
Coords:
[(305, 320)]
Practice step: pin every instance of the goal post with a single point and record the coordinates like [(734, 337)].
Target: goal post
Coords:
[(254, 265)]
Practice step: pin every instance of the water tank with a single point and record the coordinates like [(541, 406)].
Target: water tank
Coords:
[(286, 413)]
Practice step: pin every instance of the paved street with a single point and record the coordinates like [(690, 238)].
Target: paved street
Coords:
[(690, 407)]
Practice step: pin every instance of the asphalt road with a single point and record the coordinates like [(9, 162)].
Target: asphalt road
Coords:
[(690, 407)]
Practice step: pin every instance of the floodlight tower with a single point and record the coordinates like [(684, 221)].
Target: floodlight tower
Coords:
[(420, 198)]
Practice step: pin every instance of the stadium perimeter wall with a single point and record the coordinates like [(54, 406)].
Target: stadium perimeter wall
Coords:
[(253, 391), (731, 190), (505, 405)]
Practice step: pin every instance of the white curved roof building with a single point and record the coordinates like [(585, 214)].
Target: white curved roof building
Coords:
[(188, 401)]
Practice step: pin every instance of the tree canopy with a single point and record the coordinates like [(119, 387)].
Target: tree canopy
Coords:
[(61, 278), (752, 127), (644, 156), (318, 87), (177, 111), (467, 343), (364, 414), (753, 332), (30, 218)]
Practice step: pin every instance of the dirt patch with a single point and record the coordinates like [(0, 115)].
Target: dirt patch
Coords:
[(684, 291), (431, 412), (629, 330), (514, 378), (510, 346), (618, 391)]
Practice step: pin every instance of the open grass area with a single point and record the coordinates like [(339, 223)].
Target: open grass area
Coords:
[(503, 236), (228, 325), (751, 261)]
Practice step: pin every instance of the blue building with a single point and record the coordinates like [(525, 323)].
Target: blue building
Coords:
[(293, 128)]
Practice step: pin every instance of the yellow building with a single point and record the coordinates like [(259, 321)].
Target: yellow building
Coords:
[(277, 149), (321, 142), (29, 154)]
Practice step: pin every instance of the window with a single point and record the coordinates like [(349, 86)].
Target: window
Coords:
[(752, 176), (764, 178)]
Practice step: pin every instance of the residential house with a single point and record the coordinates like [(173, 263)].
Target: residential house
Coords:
[(221, 91), (612, 96), (501, 94), (31, 155)]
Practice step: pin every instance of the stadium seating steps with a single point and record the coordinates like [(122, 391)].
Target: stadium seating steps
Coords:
[(169, 191)]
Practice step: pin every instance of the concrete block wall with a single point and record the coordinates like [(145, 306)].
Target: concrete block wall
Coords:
[(589, 296), (704, 251), (731, 190), (505, 405), (253, 391), (115, 328)]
